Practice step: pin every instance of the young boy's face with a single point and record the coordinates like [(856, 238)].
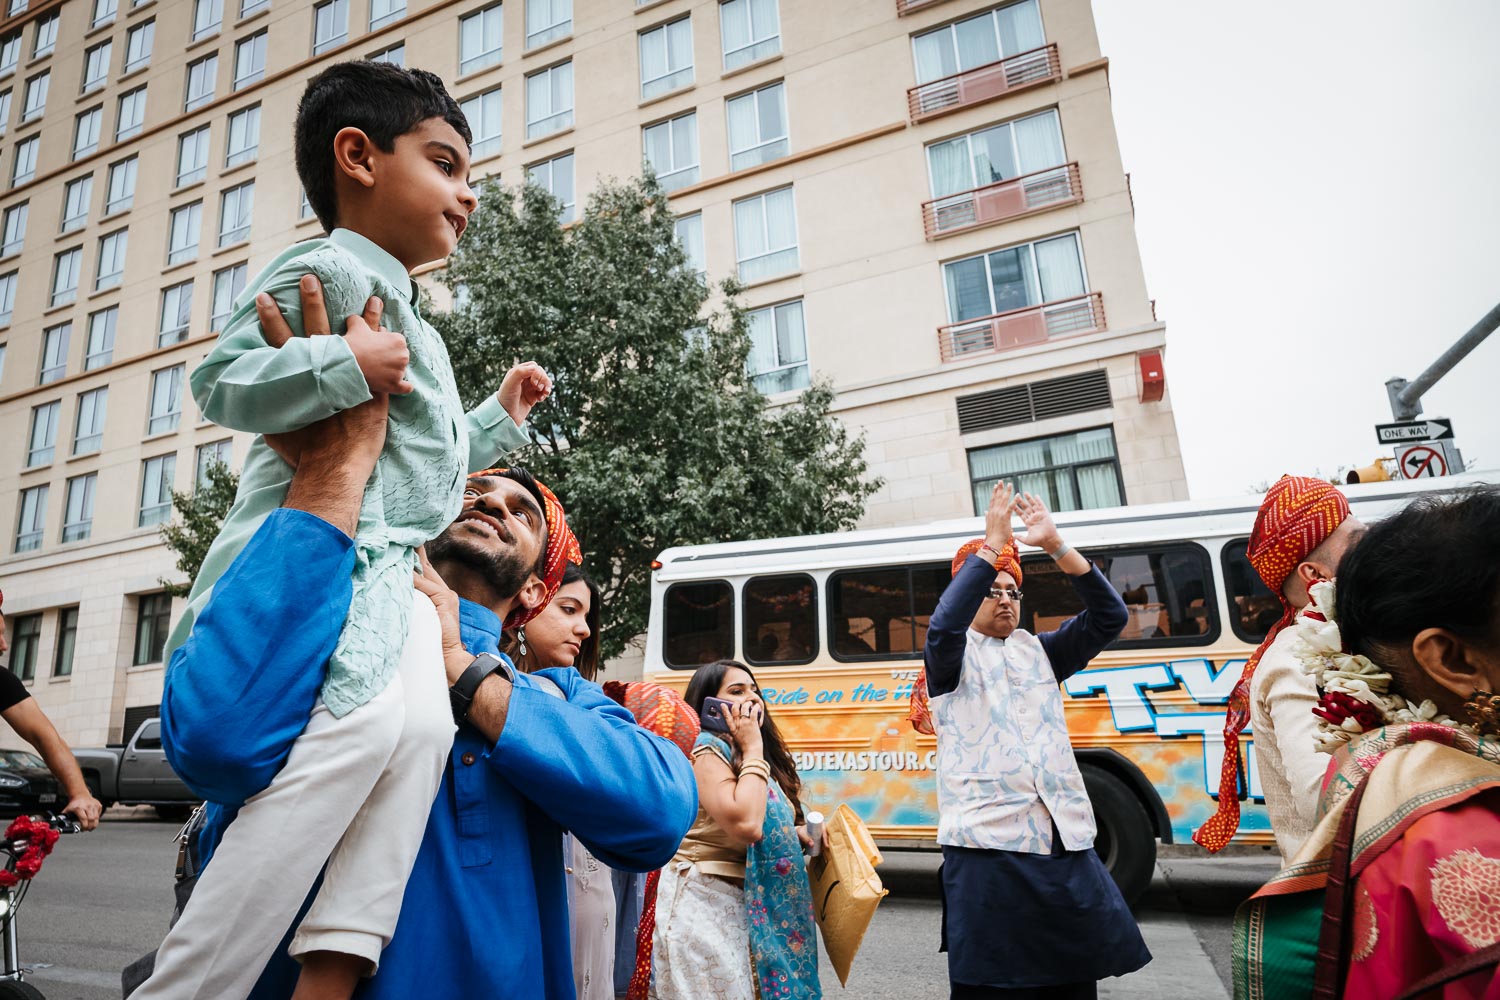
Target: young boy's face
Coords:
[(424, 197)]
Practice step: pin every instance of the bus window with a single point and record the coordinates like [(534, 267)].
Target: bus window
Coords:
[(781, 619), (882, 613), (1253, 609), (1168, 592), (699, 624)]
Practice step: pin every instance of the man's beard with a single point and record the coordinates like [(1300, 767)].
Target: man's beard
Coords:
[(503, 570)]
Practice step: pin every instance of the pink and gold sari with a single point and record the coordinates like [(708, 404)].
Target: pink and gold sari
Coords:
[(1424, 864)]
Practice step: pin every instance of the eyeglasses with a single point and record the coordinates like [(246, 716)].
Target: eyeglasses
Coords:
[(998, 592)]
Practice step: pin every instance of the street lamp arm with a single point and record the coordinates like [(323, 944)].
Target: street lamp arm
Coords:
[(1406, 397)]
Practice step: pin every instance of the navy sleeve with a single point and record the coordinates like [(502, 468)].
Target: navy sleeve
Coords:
[(627, 793), (240, 690), (948, 629), (1083, 636)]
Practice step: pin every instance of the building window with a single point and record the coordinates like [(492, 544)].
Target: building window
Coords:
[(249, 60), (547, 21), (33, 518), (765, 235), (330, 25), (4, 110), (15, 228), (192, 156), (248, 7), (78, 511), (244, 137), (10, 52), (751, 31), (101, 343), (104, 12), (208, 15), (166, 400), (234, 213), (46, 36), (132, 114), (383, 12), (138, 45), (1078, 471), (989, 156), (15, 7), (228, 284), (483, 113), (778, 348), (55, 340), (121, 193), (549, 100), (978, 41), (67, 636), (24, 168), (35, 96), (666, 57), (88, 430), (689, 230), (153, 619), (479, 39), (757, 127), (96, 65), (209, 455), (24, 640), (201, 76), (156, 489), (671, 148), (86, 131), (66, 268), (556, 177), (304, 208), (182, 241), (176, 312), (395, 55), (112, 249), (7, 305), (1015, 278), (42, 444), (76, 196)]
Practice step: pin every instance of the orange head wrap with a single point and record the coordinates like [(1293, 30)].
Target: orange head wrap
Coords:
[(562, 548), (659, 709), (1009, 561), (1297, 515)]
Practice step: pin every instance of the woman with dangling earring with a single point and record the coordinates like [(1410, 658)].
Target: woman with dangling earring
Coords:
[(1397, 892)]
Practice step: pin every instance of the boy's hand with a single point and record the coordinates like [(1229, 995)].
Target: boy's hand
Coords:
[(524, 386)]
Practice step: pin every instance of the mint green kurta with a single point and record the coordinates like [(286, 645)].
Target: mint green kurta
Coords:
[(417, 488)]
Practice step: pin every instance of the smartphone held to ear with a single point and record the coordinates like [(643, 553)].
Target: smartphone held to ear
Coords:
[(715, 715)]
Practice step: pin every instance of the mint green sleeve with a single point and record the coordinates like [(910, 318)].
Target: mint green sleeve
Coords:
[(492, 434), (246, 385)]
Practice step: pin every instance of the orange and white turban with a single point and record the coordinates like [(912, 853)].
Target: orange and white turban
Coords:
[(1009, 560), (562, 548)]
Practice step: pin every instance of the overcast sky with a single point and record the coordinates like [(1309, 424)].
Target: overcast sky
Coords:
[(1317, 193)]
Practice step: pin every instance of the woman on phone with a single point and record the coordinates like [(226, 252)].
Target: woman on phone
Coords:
[(734, 907)]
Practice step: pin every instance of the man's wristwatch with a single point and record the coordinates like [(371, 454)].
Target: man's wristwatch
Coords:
[(461, 693)]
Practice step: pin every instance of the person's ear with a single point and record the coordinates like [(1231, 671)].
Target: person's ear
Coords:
[(533, 593), (354, 156), (1309, 573), (1449, 661)]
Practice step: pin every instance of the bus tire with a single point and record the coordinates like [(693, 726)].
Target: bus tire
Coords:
[(1127, 840)]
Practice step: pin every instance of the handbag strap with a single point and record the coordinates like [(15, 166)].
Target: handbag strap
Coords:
[(1481, 959), (1333, 938)]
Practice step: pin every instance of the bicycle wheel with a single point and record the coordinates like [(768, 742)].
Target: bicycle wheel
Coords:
[(17, 990)]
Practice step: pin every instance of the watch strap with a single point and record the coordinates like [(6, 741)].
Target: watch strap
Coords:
[(461, 693)]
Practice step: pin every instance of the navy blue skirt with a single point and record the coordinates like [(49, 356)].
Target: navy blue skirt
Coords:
[(1025, 920)]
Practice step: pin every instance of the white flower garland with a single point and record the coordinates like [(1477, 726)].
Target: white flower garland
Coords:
[(1319, 647)]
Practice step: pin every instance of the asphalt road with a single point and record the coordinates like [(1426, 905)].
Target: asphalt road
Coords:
[(104, 898)]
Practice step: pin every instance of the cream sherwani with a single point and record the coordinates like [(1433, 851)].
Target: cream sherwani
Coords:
[(1282, 697)]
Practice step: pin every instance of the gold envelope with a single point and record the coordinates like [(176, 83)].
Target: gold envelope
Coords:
[(845, 888)]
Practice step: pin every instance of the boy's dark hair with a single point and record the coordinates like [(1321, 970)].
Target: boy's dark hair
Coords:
[(379, 99)]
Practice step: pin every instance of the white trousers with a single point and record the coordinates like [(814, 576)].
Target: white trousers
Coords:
[(355, 793), (701, 947)]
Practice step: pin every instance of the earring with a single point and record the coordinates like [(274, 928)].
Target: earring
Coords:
[(1483, 709), (521, 639)]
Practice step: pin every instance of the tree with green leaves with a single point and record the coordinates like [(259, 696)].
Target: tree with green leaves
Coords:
[(655, 434), (202, 513)]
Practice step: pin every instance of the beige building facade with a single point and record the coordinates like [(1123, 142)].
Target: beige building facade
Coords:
[(924, 201)]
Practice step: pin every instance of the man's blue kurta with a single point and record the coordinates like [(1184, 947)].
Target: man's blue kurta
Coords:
[(485, 911)]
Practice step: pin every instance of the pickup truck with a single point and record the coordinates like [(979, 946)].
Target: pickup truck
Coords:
[(137, 773)]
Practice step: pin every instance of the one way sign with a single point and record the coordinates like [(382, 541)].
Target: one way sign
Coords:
[(1435, 429)]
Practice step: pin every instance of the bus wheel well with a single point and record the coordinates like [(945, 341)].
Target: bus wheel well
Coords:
[(1120, 767)]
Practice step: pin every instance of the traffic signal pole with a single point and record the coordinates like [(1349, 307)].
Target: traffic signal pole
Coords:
[(1406, 397)]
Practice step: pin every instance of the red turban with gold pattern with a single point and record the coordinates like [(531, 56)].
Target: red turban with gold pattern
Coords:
[(1009, 561), (1297, 515), (562, 548)]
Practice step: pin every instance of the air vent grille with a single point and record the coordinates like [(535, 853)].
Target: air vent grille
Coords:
[(1023, 404)]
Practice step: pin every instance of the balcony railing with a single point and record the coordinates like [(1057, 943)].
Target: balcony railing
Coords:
[(908, 6), (984, 83), (1022, 327), (1003, 200)]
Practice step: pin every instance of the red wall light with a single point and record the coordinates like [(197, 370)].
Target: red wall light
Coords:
[(1153, 376)]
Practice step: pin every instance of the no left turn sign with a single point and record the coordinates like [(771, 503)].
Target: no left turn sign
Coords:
[(1423, 461)]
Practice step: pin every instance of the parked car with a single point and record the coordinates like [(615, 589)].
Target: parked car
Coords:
[(136, 774), (26, 786)]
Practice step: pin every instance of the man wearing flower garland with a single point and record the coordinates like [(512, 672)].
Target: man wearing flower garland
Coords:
[(1301, 533)]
